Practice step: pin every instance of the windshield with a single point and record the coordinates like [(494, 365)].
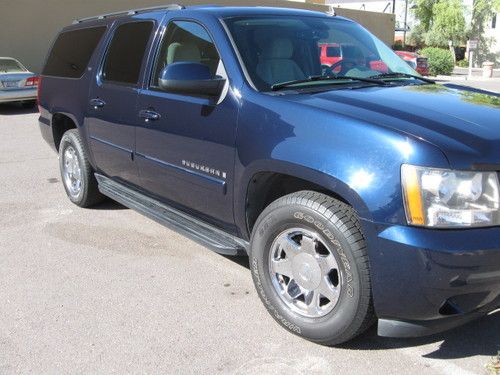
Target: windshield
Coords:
[(283, 49), (10, 65)]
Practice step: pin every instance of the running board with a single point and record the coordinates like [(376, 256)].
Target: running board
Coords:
[(199, 231)]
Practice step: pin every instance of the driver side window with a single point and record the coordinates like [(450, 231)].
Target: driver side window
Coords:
[(186, 41)]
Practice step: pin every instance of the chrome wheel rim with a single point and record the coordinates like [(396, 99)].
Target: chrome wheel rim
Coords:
[(72, 172), (305, 272)]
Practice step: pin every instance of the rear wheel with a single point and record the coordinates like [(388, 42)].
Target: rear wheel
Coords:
[(310, 267), (76, 172)]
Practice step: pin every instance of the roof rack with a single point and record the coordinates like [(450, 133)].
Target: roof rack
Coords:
[(130, 12)]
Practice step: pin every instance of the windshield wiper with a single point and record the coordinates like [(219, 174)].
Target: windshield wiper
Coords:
[(279, 86), (401, 75)]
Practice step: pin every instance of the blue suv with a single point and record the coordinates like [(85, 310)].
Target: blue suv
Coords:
[(361, 191)]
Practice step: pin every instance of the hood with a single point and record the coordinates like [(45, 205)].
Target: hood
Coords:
[(463, 124)]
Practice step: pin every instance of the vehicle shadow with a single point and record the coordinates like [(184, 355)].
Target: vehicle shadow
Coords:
[(109, 205), (242, 260), (12, 109), (479, 337)]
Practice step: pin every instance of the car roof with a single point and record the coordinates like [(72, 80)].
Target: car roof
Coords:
[(214, 10), (235, 11)]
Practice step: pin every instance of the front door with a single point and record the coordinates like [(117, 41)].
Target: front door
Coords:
[(111, 113), (185, 152)]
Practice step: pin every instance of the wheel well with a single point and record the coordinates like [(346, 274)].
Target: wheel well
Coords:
[(266, 187), (60, 125)]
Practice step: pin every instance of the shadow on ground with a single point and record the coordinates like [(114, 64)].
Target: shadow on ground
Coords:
[(14, 109), (109, 204), (480, 337)]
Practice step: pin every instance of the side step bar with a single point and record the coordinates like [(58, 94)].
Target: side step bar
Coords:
[(199, 231)]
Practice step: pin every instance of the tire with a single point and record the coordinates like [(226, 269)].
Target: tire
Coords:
[(28, 104), (76, 172), (327, 231)]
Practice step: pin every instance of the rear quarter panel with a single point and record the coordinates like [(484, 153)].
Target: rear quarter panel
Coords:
[(69, 96)]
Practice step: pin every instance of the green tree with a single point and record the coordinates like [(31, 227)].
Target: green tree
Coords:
[(439, 22), (417, 36), (448, 24), (424, 12)]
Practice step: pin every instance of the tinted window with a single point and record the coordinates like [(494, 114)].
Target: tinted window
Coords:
[(186, 41), (126, 52), (9, 65), (333, 52), (72, 51)]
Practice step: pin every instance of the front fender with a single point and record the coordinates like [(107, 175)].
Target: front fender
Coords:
[(356, 160), (284, 167)]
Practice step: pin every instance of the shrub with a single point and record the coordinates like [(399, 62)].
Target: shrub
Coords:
[(440, 60), (463, 63), (398, 46)]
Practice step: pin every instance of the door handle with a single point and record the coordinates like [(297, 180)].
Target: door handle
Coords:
[(97, 103), (149, 115)]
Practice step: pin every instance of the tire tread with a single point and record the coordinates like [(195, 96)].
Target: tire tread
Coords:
[(91, 195), (337, 212)]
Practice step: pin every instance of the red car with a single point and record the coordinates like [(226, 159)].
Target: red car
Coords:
[(333, 53), (419, 63), (329, 53)]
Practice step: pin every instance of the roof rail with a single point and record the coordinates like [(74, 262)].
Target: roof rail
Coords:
[(130, 12)]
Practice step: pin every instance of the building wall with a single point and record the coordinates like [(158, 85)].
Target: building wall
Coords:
[(379, 23), (27, 27), (493, 31), (379, 6)]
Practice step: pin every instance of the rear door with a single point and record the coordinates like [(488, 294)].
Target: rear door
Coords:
[(186, 155), (112, 98)]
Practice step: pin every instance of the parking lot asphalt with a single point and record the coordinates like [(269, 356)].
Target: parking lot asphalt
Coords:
[(106, 290)]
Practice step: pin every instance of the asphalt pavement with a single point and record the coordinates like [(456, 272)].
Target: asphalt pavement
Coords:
[(476, 81), (106, 290), (476, 72)]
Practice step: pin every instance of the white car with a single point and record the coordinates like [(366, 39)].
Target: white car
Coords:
[(17, 84)]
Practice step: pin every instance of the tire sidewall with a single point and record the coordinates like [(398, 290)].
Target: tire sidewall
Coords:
[(70, 138), (340, 319)]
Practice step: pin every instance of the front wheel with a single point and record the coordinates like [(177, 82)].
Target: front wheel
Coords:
[(310, 267)]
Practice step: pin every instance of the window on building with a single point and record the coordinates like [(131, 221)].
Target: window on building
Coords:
[(494, 22)]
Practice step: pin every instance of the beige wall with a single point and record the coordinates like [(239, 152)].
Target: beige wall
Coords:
[(27, 27), (380, 24)]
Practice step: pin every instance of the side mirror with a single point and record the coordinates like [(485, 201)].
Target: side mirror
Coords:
[(190, 78)]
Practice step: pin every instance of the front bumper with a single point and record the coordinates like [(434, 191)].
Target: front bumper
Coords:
[(7, 96), (425, 281)]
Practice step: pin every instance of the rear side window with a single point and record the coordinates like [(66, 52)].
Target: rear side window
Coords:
[(126, 52), (72, 51)]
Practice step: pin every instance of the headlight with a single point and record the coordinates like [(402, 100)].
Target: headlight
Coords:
[(446, 198)]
